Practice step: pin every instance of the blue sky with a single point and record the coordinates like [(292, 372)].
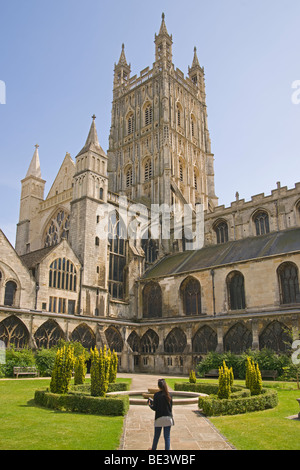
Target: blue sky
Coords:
[(57, 60)]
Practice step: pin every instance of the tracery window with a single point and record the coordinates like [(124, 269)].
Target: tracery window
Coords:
[(85, 336), (134, 341), (152, 300), (149, 342), (205, 340), (238, 339), (288, 283), (150, 248), (236, 291), (191, 295), (14, 332), (175, 342), (221, 230), (114, 339), (130, 124), (57, 229), (48, 335), (276, 336), (129, 177), (261, 220), (62, 275), (117, 256)]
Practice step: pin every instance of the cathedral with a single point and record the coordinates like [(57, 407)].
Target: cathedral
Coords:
[(89, 264)]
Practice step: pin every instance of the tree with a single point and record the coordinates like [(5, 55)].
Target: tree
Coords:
[(62, 371), (80, 370), (224, 390)]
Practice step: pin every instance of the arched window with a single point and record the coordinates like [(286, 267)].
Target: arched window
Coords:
[(149, 342), (130, 124), (14, 332), (236, 291), (148, 170), (152, 300), (195, 180), (193, 125), (150, 248), (85, 336), (114, 339), (57, 229), (10, 293), (48, 335), (175, 342), (179, 114), (117, 256), (288, 283), (205, 340), (261, 221), (62, 275), (191, 296), (181, 172), (276, 336), (238, 339), (148, 115), (221, 230), (134, 341), (129, 177)]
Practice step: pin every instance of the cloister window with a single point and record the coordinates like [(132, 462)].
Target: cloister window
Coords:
[(152, 300), (134, 341), (114, 339), (148, 115), (276, 336), (261, 221), (205, 340), (238, 339), (117, 256), (149, 342), (14, 332), (175, 342), (288, 283), (62, 275), (221, 230), (191, 296), (148, 170), (236, 291)]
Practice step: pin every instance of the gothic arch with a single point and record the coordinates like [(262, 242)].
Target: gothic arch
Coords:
[(238, 339), (236, 291), (175, 342), (190, 292), (152, 300), (56, 227), (220, 228), (48, 334), (276, 336), (288, 278), (14, 332), (134, 341), (84, 335), (149, 342), (114, 339), (261, 222), (205, 340)]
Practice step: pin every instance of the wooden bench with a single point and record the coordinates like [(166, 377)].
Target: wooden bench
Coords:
[(26, 371), (269, 374), (213, 373)]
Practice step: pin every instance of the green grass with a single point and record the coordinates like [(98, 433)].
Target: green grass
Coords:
[(25, 426), (263, 430)]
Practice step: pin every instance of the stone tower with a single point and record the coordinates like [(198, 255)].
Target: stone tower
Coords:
[(32, 194), (89, 192), (159, 145)]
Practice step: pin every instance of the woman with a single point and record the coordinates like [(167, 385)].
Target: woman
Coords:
[(162, 405)]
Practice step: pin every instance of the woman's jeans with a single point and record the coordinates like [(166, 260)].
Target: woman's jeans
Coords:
[(157, 432)]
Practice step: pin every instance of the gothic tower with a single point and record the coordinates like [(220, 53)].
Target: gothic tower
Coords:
[(90, 192), (159, 145), (32, 194)]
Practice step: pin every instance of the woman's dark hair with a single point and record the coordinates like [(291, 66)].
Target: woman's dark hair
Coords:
[(164, 388)]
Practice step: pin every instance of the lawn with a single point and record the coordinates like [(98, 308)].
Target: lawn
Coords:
[(25, 426), (263, 430)]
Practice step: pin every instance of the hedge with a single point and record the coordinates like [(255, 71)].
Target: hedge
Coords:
[(117, 406), (212, 406), (85, 389), (207, 388)]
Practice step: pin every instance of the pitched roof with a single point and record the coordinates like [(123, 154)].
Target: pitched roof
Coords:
[(275, 243), (35, 257)]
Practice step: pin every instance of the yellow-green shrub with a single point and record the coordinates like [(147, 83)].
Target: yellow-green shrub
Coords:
[(62, 371)]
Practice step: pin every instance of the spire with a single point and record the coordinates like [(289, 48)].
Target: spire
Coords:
[(195, 60), (122, 60), (163, 29), (163, 45), (92, 142), (34, 167)]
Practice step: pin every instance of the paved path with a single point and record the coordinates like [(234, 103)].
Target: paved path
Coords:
[(191, 431)]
